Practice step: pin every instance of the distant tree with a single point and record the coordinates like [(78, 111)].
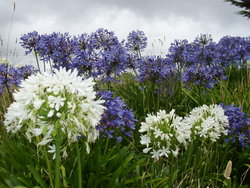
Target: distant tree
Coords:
[(243, 4)]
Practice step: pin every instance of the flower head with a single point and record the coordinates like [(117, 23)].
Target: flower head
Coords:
[(239, 125), (208, 122), (117, 120), (137, 41), (63, 97), (163, 134)]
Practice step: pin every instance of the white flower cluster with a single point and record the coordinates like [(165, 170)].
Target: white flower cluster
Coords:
[(63, 97), (208, 122), (165, 134)]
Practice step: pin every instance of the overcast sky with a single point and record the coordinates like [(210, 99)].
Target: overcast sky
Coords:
[(159, 19)]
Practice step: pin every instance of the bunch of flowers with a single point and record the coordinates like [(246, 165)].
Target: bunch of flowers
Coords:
[(164, 134), (83, 55), (10, 76), (208, 122), (231, 50), (203, 62), (30, 41), (55, 47), (48, 103), (117, 120), (155, 69), (111, 63), (239, 125), (176, 54), (136, 41), (111, 58)]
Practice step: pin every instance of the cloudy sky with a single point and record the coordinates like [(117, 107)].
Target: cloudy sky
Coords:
[(166, 20)]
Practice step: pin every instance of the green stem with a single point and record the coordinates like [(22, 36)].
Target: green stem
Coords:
[(38, 138), (57, 162), (106, 145), (49, 167), (79, 166), (44, 67), (37, 61), (50, 66)]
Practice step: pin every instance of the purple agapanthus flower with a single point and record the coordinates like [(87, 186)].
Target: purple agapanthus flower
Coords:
[(239, 125), (196, 62), (117, 120), (155, 69), (83, 55), (136, 41), (10, 77), (233, 50), (30, 41)]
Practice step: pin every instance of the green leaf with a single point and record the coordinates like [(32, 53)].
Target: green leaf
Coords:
[(37, 177), (65, 184), (25, 181)]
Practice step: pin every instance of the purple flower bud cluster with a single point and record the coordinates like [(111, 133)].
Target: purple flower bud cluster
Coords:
[(10, 77), (111, 56), (30, 41), (83, 55), (231, 50), (100, 54), (136, 41), (155, 69), (117, 120), (203, 61), (239, 125)]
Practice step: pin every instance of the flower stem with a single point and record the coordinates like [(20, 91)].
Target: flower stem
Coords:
[(49, 167), (57, 162), (38, 139), (79, 166), (37, 61)]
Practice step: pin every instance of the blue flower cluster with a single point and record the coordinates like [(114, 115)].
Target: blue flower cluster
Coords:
[(231, 50), (30, 41), (239, 125), (137, 41), (111, 58), (155, 69), (201, 62), (10, 77), (101, 55), (117, 120)]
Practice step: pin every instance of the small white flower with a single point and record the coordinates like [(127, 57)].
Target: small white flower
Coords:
[(175, 152), (38, 103), (44, 142), (51, 113), (164, 151), (145, 140), (37, 131), (52, 150), (146, 150), (155, 154), (58, 114), (158, 133)]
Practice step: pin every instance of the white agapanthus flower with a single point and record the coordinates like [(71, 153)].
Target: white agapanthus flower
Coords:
[(208, 122), (46, 98), (163, 134)]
